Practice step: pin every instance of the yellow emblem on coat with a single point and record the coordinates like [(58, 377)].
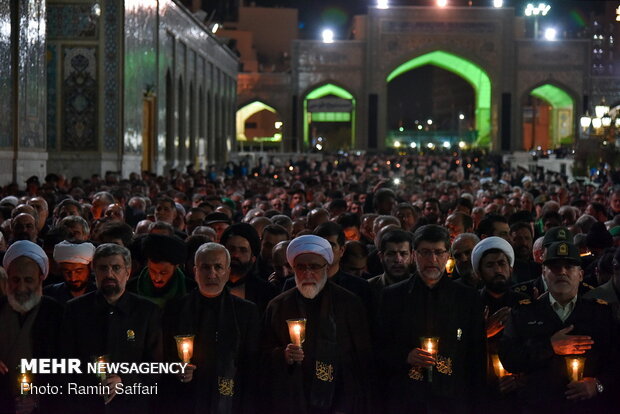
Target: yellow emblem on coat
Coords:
[(226, 386), (444, 365), (416, 374), (602, 302), (324, 372), (525, 302), (131, 335)]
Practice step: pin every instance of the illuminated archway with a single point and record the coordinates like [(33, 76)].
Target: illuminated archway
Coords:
[(244, 113), (561, 129), (469, 71), (341, 115)]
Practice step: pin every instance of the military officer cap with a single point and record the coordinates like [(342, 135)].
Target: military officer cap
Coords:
[(557, 234), (562, 251)]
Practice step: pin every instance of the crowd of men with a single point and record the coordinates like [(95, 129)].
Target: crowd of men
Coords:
[(428, 284)]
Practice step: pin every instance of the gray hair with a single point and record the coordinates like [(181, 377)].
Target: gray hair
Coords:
[(212, 247), (465, 236), (71, 221), (112, 249)]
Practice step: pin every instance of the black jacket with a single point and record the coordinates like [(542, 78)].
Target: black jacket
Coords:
[(129, 331), (526, 348)]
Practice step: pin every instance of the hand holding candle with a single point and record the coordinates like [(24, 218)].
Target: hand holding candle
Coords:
[(185, 347), (24, 384), (430, 344)]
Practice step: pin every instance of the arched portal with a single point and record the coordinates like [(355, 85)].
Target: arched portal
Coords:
[(548, 118), (467, 70), (258, 123), (329, 118)]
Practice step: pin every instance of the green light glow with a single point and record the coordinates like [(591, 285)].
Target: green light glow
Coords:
[(320, 92), (469, 71), (247, 111), (561, 113)]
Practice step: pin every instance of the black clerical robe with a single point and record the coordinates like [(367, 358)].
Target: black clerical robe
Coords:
[(409, 310), (43, 341), (337, 354), (226, 330), (128, 331)]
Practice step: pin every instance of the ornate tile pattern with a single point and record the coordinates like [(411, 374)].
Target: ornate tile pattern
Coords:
[(72, 21), (52, 93), (111, 80), (80, 99)]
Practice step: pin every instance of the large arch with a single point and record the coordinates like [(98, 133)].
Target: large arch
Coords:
[(250, 109), (561, 129), (471, 72), (322, 91)]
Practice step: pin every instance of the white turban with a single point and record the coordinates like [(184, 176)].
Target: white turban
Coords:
[(29, 249), (309, 244), (66, 252), (488, 244)]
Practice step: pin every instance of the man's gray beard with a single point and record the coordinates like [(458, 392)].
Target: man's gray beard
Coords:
[(27, 305), (310, 291)]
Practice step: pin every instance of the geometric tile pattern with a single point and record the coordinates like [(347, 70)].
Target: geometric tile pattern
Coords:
[(111, 57), (80, 97), (52, 93)]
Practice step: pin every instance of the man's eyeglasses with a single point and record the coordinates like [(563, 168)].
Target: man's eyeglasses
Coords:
[(427, 253), (313, 268)]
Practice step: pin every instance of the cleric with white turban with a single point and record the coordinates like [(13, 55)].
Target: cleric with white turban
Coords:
[(67, 252), (309, 244), (28, 249), (488, 244)]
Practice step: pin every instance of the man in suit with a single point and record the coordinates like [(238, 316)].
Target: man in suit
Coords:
[(117, 325)]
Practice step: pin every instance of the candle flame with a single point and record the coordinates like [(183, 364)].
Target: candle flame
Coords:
[(297, 329), (185, 346)]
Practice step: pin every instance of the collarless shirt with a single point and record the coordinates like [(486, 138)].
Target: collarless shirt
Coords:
[(563, 312)]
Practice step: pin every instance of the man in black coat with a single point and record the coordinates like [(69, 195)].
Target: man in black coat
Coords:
[(222, 378), (450, 378), (28, 326), (541, 334), (117, 325), (243, 243), (328, 372)]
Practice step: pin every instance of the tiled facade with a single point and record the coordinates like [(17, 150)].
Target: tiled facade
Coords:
[(81, 75)]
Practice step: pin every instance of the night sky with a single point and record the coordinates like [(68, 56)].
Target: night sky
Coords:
[(570, 15)]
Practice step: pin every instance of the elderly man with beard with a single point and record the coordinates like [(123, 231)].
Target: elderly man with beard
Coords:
[(117, 325), (329, 372), (74, 264), (243, 243), (222, 378), (429, 304), (28, 325), (540, 335)]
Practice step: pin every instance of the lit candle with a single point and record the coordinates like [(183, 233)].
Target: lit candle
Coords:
[(185, 347), (24, 384), (297, 331), (499, 369), (431, 345), (575, 366), (450, 266)]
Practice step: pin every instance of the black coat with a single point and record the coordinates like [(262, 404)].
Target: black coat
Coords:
[(410, 310), (288, 383), (130, 331), (45, 337), (188, 314), (526, 348)]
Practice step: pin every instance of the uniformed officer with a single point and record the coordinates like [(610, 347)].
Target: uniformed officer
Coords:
[(541, 334)]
